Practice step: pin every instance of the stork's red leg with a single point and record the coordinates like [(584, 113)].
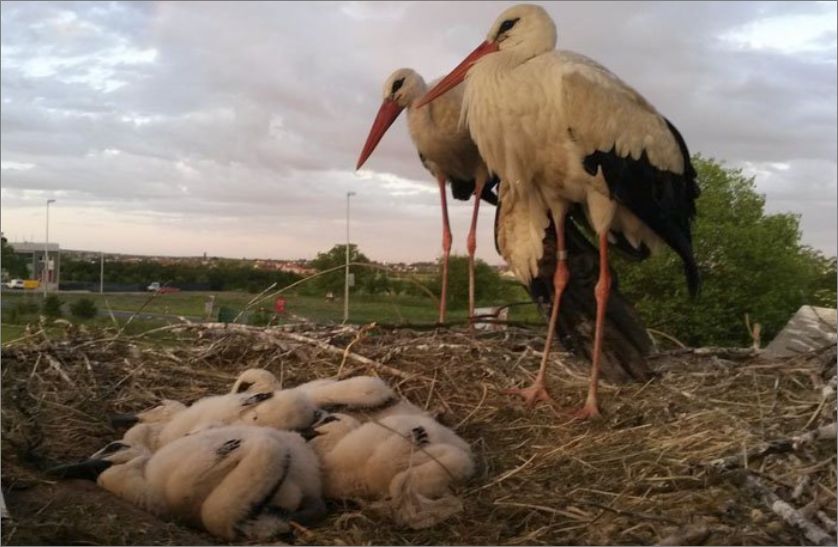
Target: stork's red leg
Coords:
[(471, 244), (602, 290), (446, 248), (538, 390)]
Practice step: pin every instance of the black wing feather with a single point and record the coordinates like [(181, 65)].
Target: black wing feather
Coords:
[(664, 200)]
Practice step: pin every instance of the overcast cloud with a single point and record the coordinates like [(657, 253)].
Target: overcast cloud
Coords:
[(233, 128)]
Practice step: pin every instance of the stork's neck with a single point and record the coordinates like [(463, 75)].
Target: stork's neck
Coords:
[(417, 91), (129, 482)]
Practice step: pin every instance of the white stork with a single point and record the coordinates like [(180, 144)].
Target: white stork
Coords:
[(445, 149), (558, 129)]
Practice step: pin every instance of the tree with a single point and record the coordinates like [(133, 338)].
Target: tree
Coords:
[(488, 284), (334, 257), (750, 261), (83, 308), (51, 307), (15, 265)]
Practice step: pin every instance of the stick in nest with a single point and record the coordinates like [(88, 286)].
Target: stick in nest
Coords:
[(780, 446), (812, 531)]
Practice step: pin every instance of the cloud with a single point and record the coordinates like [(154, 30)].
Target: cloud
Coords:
[(234, 128)]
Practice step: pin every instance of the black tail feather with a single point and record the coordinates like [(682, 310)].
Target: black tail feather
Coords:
[(626, 343)]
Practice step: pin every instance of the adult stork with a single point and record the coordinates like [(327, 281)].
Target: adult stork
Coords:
[(445, 149), (558, 128), (440, 138)]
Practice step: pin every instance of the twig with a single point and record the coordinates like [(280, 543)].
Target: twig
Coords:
[(779, 446), (358, 336), (337, 351), (688, 535), (667, 336), (252, 302), (812, 531), (646, 516), (474, 410), (54, 363), (504, 476)]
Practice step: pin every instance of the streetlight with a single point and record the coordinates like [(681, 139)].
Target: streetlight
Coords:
[(46, 252), (346, 280)]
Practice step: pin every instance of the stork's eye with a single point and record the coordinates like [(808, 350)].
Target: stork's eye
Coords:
[(397, 85), (507, 25)]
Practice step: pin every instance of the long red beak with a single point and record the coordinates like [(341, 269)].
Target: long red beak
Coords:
[(457, 75), (387, 114)]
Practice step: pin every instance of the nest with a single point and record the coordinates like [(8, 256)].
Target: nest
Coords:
[(701, 453)]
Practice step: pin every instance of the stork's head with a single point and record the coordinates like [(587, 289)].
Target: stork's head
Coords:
[(255, 380), (159, 414), (522, 31), (403, 87), (330, 429), (288, 409), (400, 89), (163, 412), (115, 453)]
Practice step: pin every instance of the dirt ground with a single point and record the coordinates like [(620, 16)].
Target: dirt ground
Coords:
[(699, 454)]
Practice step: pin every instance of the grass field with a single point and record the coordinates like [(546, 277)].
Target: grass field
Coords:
[(165, 308)]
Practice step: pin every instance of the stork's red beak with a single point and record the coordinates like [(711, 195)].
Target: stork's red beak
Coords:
[(457, 75), (387, 114)]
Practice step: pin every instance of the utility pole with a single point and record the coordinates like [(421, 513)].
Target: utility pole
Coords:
[(46, 252), (102, 272), (346, 280)]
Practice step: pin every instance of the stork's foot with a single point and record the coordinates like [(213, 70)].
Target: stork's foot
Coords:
[(533, 394), (588, 412)]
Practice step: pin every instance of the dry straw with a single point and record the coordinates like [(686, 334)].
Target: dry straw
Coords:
[(675, 460)]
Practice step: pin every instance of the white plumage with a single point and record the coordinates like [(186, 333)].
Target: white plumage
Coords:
[(235, 481), (255, 380), (406, 462), (558, 129), (278, 409), (150, 423), (361, 396), (445, 149)]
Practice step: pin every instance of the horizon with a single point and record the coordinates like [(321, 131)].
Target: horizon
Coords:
[(174, 129)]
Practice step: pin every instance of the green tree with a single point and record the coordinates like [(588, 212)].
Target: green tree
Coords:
[(750, 261), (334, 281), (51, 307), (83, 308), (14, 264), (488, 284)]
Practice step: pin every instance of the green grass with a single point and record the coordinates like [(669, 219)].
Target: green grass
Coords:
[(364, 308)]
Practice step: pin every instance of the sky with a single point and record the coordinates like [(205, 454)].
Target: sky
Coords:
[(179, 128)]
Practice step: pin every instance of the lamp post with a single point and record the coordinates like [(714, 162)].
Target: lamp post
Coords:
[(346, 280), (46, 252), (102, 272)]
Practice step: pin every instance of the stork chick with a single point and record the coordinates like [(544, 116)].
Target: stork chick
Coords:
[(235, 481), (148, 424), (405, 463), (286, 409), (360, 396), (445, 149), (366, 396), (255, 380)]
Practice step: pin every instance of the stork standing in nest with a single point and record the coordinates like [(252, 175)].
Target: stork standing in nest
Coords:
[(559, 129), (445, 150), (445, 147)]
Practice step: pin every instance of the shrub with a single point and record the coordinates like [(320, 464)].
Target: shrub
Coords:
[(52, 307), (83, 308)]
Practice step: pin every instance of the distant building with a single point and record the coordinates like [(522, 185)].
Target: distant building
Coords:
[(34, 254)]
